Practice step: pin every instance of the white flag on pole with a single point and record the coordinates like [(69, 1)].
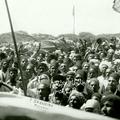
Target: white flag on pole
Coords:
[(116, 5)]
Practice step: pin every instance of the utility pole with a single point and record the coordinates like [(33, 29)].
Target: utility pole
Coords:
[(16, 48)]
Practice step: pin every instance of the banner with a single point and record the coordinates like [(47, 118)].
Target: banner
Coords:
[(25, 108)]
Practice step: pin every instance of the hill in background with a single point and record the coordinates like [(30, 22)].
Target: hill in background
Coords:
[(22, 36)]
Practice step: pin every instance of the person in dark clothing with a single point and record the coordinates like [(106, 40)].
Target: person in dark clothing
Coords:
[(111, 106)]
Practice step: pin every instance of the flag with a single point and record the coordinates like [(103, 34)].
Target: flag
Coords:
[(73, 12), (116, 5)]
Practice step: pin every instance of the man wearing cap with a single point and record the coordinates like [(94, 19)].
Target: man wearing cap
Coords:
[(69, 78)]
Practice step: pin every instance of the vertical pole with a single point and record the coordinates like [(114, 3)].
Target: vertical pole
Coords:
[(73, 19), (15, 45)]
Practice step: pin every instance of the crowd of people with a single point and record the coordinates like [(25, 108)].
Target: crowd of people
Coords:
[(86, 77)]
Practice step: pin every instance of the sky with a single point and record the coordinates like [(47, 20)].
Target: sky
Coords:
[(55, 16)]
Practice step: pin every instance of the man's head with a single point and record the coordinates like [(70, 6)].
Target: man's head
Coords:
[(110, 53), (111, 106), (53, 67), (63, 67), (103, 68), (85, 66), (44, 78), (60, 58), (15, 63), (68, 90), (94, 84), (41, 68), (92, 105), (76, 100), (24, 62), (29, 69), (113, 82), (78, 79), (58, 82), (70, 76), (92, 73), (43, 91), (5, 64), (109, 71), (13, 73)]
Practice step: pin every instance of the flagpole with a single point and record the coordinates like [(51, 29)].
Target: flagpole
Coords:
[(15, 45), (73, 19)]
